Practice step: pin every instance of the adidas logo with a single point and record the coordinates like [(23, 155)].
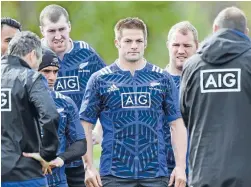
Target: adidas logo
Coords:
[(113, 88), (152, 84)]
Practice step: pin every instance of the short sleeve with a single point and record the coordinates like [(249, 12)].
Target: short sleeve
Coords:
[(171, 101), (91, 103), (74, 129)]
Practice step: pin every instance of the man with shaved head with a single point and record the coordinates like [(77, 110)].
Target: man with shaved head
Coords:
[(216, 104)]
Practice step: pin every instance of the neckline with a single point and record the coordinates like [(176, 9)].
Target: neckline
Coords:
[(139, 70)]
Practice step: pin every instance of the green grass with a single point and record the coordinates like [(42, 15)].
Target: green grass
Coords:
[(96, 154)]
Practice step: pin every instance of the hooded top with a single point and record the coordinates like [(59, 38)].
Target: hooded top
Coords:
[(26, 106), (216, 106)]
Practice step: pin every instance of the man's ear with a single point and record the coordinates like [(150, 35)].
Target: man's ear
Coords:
[(29, 58), (33, 56), (215, 28), (117, 44), (69, 24), (247, 31), (197, 44), (41, 30), (167, 43), (145, 43)]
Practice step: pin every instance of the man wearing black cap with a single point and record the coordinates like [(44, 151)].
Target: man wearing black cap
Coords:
[(70, 131)]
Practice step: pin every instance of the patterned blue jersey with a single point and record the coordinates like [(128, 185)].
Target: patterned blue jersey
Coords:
[(167, 135), (176, 79), (75, 70), (70, 130), (131, 111)]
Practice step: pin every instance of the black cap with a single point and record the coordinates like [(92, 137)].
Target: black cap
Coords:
[(49, 59)]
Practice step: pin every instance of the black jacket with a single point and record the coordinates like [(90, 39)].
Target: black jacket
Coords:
[(26, 105), (216, 107)]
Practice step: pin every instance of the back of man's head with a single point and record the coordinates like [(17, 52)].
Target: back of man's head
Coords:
[(23, 43), (231, 18), (10, 22)]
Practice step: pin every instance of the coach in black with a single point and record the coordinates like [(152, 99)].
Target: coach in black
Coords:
[(216, 105), (25, 106)]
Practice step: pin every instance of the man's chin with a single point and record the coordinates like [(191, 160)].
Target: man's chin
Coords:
[(132, 60), (59, 49)]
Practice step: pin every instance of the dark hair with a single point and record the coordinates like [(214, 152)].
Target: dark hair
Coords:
[(11, 22)]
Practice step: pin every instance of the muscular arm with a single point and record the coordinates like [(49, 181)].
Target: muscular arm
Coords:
[(179, 142), (97, 134), (88, 157)]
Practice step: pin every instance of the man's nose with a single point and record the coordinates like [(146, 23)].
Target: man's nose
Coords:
[(181, 49)]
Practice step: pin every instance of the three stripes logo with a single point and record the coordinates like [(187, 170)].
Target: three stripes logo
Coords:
[(113, 88)]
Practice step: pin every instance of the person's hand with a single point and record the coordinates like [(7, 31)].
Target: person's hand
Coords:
[(57, 162), (96, 139), (178, 177), (45, 165), (92, 177)]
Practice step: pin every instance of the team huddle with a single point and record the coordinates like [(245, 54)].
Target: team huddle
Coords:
[(185, 125)]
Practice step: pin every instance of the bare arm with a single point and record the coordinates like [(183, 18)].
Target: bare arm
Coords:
[(88, 157), (179, 142), (97, 133), (92, 177)]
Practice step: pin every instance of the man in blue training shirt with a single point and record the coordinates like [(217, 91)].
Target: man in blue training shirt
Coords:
[(78, 61), (182, 43), (131, 98), (70, 130)]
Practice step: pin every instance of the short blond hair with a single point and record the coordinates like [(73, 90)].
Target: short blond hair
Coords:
[(183, 27), (53, 13), (129, 23)]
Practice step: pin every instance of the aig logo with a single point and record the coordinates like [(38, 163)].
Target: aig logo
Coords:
[(220, 80), (136, 100), (5, 99), (67, 84)]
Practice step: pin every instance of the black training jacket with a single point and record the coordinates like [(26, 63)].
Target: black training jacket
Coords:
[(216, 107), (26, 107)]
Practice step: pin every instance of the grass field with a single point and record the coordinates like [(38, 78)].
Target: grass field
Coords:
[(96, 155)]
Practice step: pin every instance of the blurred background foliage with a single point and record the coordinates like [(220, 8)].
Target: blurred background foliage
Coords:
[(93, 21)]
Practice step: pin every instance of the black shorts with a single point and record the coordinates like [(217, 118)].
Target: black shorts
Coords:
[(75, 176), (111, 181)]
